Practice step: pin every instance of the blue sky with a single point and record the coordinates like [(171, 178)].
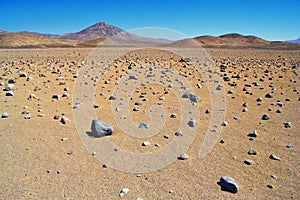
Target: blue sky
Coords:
[(269, 19)]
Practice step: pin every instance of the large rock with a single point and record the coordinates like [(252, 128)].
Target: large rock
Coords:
[(100, 128), (193, 98), (228, 184)]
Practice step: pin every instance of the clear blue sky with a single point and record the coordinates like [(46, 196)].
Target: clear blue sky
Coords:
[(269, 19)]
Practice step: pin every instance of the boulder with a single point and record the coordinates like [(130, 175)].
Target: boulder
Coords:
[(100, 128)]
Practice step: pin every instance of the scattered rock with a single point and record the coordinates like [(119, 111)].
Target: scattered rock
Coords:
[(248, 162), (143, 125), (56, 96), (274, 157), (253, 134), (123, 192), (100, 128), (179, 133), (112, 98), (289, 145), (4, 115), (228, 184), (183, 156), (146, 143), (252, 152), (64, 120), (192, 123), (265, 117), (287, 125)]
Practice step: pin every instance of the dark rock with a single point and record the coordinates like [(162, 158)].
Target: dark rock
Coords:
[(265, 117), (112, 98), (192, 123), (248, 162), (228, 184), (274, 157), (100, 128), (143, 125), (252, 152)]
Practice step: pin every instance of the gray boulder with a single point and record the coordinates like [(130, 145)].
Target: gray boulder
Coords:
[(100, 128), (228, 184)]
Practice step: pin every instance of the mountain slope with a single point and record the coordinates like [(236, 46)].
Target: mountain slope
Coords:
[(294, 41)]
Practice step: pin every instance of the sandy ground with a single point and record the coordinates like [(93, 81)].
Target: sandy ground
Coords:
[(37, 163)]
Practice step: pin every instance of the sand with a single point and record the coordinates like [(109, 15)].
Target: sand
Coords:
[(37, 163)]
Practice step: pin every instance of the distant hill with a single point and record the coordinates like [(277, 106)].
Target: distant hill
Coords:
[(295, 41), (108, 35), (25, 40), (234, 40)]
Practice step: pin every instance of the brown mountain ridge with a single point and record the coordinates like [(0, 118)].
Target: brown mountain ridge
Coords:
[(114, 36)]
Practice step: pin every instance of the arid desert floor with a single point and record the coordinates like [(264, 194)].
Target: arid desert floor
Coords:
[(43, 158)]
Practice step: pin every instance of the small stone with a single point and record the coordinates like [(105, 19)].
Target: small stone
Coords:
[(253, 134), (64, 139), (146, 143), (248, 162), (270, 186), (192, 123), (48, 171), (252, 152), (259, 99), (112, 98), (222, 141), (143, 125), (269, 95), (123, 192), (228, 184), (224, 123), (236, 117), (245, 104), (207, 111), (28, 116), (133, 77), (245, 110), (9, 87), (173, 115), (94, 153), (9, 94), (274, 157), (65, 94), (179, 133), (64, 120), (166, 136), (56, 96), (287, 125), (136, 109), (273, 176), (278, 111), (138, 103), (289, 145), (183, 156), (265, 117), (56, 117), (4, 115)]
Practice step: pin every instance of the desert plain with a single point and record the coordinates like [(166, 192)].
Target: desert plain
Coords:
[(42, 154)]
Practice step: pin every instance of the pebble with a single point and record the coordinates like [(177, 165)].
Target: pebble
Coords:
[(270, 186), (173, 115), (64, 120), (265, 117), (274, 157), (146, 143), (248, 162), (183, 156), (143, 125), (10, 94), (112, 98), (27, 116), (192, 123), (56, 96), (9, 87), (166, 136), (252, 152), (123, 192), (4, 115), (289, 145), (228, 184), (253, 134), (179, 133), (287, 125), (224, 123)]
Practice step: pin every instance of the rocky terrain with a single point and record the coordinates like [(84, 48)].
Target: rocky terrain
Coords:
[(45, 93)]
